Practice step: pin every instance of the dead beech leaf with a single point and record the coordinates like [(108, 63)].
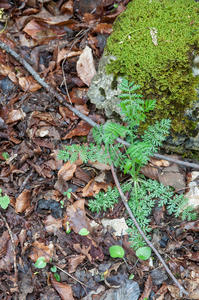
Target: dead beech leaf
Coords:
[(103, 28), (82, 129), (67, 8), (85, 66), (67, 171), (150, 172), (67, 53), (64, 291), (67, 113), (194, 226), (29, 84), (83, 108), (100, 166), (4, 243), (15, 115), (36, 253), (74, 262), (147, 289), (43, 116), (83, 250), (23, 201), (172, 176), (89, 247), (78, 95), (94, 187), (51, 224), (7, 261), (22, 236), (76, 216), (159, 162)]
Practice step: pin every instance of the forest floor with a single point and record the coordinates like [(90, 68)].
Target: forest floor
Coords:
[(48, 198)]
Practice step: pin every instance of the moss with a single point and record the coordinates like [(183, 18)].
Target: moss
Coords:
[(114, 83), (102, 92), (164, 70)]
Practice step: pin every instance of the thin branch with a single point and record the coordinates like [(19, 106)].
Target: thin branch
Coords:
[(124, 199), (16, 288), (62, 100)]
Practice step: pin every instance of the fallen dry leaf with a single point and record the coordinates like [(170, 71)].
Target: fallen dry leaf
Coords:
[(159, 162), (85, 66), (29, 84), (103, 28), (67, 171), (66, 53), (150, 172), (100, 166), (15, 116), (36, 253), (74, 262), (94, 187), (76, 216), (51, 224), (64, 291), (23, 201), (7, 261), (82, 129)]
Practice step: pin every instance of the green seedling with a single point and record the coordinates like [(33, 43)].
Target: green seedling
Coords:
[(83, 232), (117, 251), (62, 203), (4, 200), (131, 276), (5, 155), (41, 264), (115, 6), (53, 269), (68, 193), (57, 277), (143, 253), (68, 230)]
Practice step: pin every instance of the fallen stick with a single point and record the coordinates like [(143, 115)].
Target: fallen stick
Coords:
[(62, 100)]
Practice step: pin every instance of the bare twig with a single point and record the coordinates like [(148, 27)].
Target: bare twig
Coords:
[(16, 288), (62, 100), (124, 199)]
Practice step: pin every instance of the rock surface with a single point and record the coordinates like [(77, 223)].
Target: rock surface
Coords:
[(104, 91)]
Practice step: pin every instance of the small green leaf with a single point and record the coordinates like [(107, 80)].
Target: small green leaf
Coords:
[(83, 232), (5, 155), (116, 251), (127, 166), (4, 201), (131, 276), (143, 253), (53, 269), (40, 263), (57, 277)]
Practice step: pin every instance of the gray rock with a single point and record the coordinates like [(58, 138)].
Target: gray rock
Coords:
[(104, 91)]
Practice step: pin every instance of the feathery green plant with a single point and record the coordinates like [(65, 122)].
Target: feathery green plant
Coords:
[(143, 193)]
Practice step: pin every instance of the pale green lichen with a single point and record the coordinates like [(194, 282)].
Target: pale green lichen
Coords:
[(163, 70)]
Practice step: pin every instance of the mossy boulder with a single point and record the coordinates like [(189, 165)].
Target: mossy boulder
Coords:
[(155, 43)]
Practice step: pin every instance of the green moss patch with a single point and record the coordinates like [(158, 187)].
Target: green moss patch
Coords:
[(163, 70)]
